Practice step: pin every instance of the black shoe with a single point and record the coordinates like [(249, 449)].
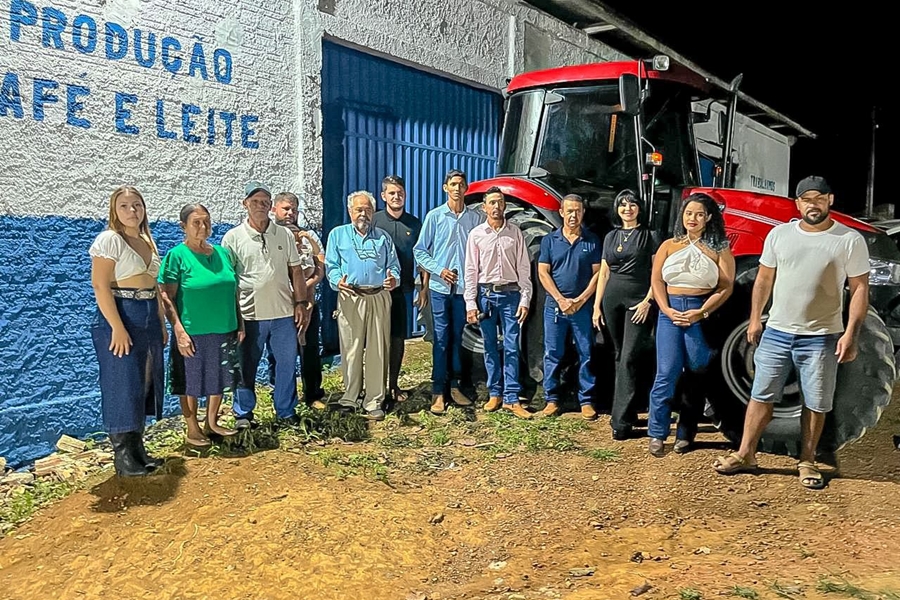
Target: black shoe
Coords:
[(148, 461), (897, 442), (125, 454), (245, 422), (620, 435), (291, 421)]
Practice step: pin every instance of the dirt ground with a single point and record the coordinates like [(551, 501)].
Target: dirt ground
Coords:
[(446, 518)]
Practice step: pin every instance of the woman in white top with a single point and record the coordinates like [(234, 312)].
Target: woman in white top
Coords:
[(128, 330), (693, 275)]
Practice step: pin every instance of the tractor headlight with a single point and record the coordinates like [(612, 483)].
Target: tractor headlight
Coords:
[(884, 272)]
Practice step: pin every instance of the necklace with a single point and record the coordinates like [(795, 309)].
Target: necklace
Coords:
[(624, 237)]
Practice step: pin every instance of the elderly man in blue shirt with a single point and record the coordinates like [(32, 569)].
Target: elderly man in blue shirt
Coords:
[(441, 250), (361, 265)]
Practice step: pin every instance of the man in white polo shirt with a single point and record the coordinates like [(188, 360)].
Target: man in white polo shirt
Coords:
[(274, 303), (803, 267)]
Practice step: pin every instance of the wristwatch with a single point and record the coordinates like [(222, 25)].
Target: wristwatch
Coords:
[(705, 314)]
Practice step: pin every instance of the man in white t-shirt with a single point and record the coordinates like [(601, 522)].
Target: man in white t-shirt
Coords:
[(273, 300), (804, 266)]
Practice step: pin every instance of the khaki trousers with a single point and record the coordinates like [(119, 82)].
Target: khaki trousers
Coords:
[(364, 326)]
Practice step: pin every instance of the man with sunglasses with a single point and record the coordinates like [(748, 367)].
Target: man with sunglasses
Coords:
[(361, 265), (274, 303)]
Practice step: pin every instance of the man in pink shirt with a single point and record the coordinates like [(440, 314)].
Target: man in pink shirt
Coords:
[(498, 285)]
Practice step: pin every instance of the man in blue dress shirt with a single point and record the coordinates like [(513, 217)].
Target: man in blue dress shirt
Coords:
[(441, 250), (361, 265)]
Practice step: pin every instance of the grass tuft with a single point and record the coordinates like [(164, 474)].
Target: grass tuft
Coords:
[(745, 592), (603, 454), (689, 594)]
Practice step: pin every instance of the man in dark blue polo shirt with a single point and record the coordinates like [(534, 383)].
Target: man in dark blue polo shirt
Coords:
[(568, 267), (403, 228)]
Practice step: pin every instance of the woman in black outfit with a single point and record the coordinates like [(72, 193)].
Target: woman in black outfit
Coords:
[(624, 294)]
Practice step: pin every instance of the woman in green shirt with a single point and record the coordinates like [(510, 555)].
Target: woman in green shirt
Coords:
[(199, 290)]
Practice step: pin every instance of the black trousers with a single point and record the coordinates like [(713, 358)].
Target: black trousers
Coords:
[(630, 341), (399, 333), (310, 360)]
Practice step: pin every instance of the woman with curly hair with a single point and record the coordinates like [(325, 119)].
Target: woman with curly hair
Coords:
[(693, 275)]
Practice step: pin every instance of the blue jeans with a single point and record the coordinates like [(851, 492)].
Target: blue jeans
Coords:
[(281, 336), (449, 314), (812, 356), (677, 349), (501, 310), (556, 331)]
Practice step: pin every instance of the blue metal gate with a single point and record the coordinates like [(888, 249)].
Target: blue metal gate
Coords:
[(382, 118)]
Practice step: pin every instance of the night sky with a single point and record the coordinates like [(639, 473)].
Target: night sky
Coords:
[(825, 65)]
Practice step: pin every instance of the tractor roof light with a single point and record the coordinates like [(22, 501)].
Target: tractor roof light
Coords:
[(660, 62), (654, 158)]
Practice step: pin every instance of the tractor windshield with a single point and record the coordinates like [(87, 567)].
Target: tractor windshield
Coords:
[(576, 139)]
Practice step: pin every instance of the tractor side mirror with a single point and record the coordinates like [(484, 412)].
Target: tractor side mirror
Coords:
[(629, 94)]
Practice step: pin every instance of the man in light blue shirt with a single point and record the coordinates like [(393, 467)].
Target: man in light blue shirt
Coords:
[(361, 265), (441, 250)]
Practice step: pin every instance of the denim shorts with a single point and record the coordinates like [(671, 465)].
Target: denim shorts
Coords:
[(811, 356)]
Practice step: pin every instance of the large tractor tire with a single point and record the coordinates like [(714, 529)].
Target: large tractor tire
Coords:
[(864, 386)]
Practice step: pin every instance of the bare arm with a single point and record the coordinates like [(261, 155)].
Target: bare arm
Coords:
[(591, 288), (548, 283), (168, 292), (602, 280), (102, 273), (657, 285), (300, 295), (859, 306)]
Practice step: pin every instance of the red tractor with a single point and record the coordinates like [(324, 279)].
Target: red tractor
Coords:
[(599, 128)]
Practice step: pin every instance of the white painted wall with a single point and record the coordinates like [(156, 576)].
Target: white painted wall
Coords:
[(276, 51)]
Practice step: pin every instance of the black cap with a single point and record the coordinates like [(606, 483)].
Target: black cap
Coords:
[(813, 183)]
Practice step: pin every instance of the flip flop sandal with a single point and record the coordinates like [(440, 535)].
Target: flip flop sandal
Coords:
[(399, 395), (204, 443), (810, 476), (734, 463)]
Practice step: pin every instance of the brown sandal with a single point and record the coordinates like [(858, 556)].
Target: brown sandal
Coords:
[(734, 463), (810, 476)]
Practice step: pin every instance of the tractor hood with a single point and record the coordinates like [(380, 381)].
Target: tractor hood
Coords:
[(750, 210), (525, 190)]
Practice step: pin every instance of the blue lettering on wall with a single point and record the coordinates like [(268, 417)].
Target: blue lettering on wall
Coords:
[(198, 61), (10, 98), (53, 23), (247, 132), (150, 58), (123, 114), (211, 127), (42, 95), (74, 106), (187, 124), (222, 65), (161, 130), (116, 41), (85, 47), (20, 13), (84, 31), (170, 63), (228, 118)]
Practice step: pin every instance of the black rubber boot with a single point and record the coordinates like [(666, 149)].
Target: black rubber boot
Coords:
[(125, 454), (148, 461)]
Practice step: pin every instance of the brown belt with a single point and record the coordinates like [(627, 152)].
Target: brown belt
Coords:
[(367, 290)]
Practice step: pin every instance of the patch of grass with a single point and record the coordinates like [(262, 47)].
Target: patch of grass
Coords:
[(785, 591), (346, 465), (845, 588), (398, 439), (512, 434), (27, 499), (439, 436), (744, 592), (603, 454), (689, 594)]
